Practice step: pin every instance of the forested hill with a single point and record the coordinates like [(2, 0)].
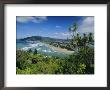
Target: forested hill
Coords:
[(40, 38)]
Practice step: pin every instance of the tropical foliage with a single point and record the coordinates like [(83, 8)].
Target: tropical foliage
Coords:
[(80, 62)]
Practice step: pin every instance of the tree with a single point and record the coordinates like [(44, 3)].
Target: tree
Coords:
[(78, 41), (73, 29), (90, 37), (30, 51), (84, 40), (35, 51)]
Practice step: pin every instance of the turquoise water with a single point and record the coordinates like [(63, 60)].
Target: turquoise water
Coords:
[(42, 48)]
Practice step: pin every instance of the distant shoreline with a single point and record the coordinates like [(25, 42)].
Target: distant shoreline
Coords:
[(60, 49)]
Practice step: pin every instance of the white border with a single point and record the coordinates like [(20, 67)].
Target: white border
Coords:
[(99, 79)]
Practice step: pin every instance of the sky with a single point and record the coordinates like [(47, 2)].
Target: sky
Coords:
[(52, 26)]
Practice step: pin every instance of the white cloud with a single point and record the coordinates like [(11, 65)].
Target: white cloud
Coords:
[(87, 25), (55, 36), (58, 26), (65, 34), (56, 33), (35, 19), (61, 35)]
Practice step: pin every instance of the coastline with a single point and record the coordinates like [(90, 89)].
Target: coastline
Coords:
[(60, 49)]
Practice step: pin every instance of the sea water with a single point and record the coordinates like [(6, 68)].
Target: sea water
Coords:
[(42, 48)]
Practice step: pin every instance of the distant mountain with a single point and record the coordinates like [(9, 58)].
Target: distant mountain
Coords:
[(40, 38), (32, 38)]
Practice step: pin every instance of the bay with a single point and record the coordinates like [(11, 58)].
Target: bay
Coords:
[(42, 48)]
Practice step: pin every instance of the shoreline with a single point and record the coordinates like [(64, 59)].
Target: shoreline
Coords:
[(60, 49)]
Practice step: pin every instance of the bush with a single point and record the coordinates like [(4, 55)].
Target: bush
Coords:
[(81, 62), (85, 57)]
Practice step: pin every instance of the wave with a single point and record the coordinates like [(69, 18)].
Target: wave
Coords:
[(30, 46), (39, 46), (47, 51), (43, 49)]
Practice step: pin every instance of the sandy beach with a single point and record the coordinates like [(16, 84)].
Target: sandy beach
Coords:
[(61, 49)]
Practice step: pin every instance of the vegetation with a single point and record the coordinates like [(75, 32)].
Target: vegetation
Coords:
[(80, 62)]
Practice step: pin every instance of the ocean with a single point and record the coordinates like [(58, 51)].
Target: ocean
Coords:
[(42, 48)]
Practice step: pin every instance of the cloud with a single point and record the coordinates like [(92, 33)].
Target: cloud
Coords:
[(65, 34), (35, 19), (87, 25), (56, 33), (61, 35), (58, 26)]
